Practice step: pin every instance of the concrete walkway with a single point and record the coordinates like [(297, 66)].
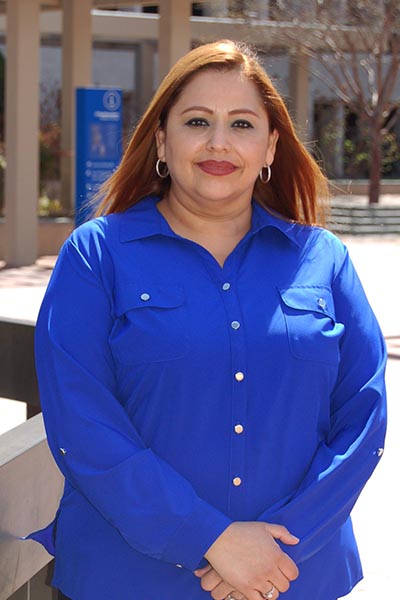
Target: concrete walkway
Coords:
[(376, 519), (22, 289)]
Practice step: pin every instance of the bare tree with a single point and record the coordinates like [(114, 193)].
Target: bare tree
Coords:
[(356, 45)]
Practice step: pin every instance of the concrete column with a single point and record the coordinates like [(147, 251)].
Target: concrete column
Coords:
[(22, 127), (145, 74), (174, 33), (76, 72), (330, 134), (263, 8), (299, 93), (340, 139), (219, 8)]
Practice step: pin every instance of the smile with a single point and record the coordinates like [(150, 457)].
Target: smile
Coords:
[(216, 167)]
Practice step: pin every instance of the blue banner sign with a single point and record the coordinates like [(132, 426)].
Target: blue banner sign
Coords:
[(98, 144)]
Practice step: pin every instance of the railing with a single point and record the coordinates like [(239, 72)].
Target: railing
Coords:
[(30, 489)]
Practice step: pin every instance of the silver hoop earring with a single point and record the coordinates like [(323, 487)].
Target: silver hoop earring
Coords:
[(265, 179), (161, 174)]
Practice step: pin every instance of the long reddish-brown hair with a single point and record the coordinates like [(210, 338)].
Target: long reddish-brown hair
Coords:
[(297, 189)]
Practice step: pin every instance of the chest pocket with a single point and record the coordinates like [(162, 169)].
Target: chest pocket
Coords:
[(311, 324), (151, 324)]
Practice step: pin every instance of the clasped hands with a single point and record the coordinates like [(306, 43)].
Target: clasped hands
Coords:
[(246, 563)]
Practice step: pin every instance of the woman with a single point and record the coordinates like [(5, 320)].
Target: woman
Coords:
[(211, 373)]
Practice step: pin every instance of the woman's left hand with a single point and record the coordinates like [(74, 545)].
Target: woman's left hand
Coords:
[(212, 582)]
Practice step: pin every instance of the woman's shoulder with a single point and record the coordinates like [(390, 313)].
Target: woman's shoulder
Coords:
[(302, 234), (320, 246), (95, 229), (106, 229), (308, 238), (316, 235)]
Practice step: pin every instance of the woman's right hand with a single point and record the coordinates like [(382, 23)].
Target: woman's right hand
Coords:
[(247, 558)]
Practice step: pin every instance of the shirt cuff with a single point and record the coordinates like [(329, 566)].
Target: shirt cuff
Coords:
[(198, 532)]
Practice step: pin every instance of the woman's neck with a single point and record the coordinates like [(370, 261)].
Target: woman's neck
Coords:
[(217, 231)]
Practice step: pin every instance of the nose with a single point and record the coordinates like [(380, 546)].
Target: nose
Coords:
[(219, 139)]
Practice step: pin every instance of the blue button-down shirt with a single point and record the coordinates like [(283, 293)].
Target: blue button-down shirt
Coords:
[(180, 396)]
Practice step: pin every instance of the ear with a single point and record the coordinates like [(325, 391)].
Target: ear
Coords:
[(160, 143), (273, 140)]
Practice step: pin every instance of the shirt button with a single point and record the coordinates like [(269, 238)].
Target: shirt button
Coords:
[(145, 296), (239, 376), (236, 481), (239, 428), (379, 452), (226, 286), (179, 566), (63, 451), (235, 324), (321, 303)]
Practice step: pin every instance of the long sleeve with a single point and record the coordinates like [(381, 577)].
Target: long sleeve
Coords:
[(346, 458), (92, 438), (180, 396)]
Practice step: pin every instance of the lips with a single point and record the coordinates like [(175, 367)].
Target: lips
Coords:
[(217, 167)]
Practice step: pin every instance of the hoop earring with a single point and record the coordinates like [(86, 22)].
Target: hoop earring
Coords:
[(161, 174), (263, 179)]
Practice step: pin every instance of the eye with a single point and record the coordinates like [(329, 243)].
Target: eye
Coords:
[(242, 124), (197, 122)]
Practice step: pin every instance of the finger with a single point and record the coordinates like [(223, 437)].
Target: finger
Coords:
[(279, 532), (202, 571), (288, 568), (271, 594), (222, 590), (235, 595), (255, 595), (211, 580), (280, 585)]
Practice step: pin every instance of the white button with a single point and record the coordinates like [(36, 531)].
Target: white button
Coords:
[(179, 566), (226, 286), (236, 481), (239, 376), (63, 451), (379, 452), (145, 296), (239, 428), (235, 324), (322, 303)]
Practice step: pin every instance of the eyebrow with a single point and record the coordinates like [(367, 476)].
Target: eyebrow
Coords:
[(236, 111)]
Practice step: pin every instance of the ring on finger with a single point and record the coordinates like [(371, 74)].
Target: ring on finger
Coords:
[(270, 594)]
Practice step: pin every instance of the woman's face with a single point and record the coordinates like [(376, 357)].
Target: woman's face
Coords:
[(216, 139)]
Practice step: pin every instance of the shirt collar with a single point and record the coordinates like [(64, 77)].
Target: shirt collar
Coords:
[(145, 220), (267, 217)]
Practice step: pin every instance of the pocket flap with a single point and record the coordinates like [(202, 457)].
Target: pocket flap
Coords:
[(134, 296), (317, 299)]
